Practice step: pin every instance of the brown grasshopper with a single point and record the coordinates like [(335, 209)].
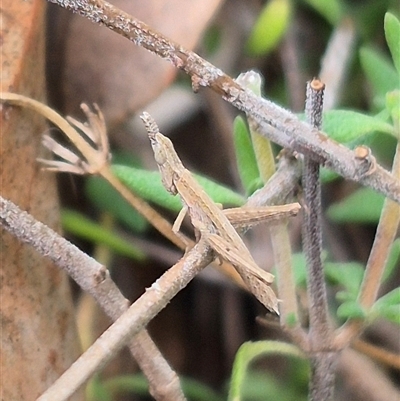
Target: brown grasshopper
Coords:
[(208, 219)]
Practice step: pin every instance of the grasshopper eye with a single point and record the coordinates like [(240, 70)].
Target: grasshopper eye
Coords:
[(159, 155)]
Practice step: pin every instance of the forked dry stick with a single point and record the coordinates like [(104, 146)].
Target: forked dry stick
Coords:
[(289, 132), (213, 226)]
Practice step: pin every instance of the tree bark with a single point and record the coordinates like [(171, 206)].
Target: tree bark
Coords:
[(38, 337)]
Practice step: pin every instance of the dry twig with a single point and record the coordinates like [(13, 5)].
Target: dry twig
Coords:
[(130, 323), (95, 279), (290, 132)]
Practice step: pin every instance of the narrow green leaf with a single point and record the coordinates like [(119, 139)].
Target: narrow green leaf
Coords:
[(250, 351), (245, 157), (393, 106), (106, 198), (348, 275), (327, 175), (197, 391), (346, 126), (363, 206), (391, 313), (391, 298), (331, 10), (96, 391), (269, 27), (212, 40), (388, 306), (392, 33), (345, 296), (127, 384), (220, 193), (138, 384), (293, 386), (253, 81), (148, 185), (350, 310), (380, 73), (81, 226), (299, 269)]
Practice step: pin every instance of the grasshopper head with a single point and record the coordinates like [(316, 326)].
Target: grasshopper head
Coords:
[(164, 157)]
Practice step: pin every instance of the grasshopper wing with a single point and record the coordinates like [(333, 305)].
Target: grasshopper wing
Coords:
[(238, 259)]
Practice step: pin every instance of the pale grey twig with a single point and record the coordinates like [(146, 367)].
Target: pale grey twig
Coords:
[(95, 279), (291, 133), (323, 363), (130, 322), (281, 185), (312, 235)]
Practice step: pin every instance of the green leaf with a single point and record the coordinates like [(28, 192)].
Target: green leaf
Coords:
[(250, 351), (123, 384), (212, 40), (96, 391), (299, 269), (345, 296), (393, 106), (388, 306), (269, 27), (106, 198), (148, 185), (81, 226), (327, 175), (363, 206), (197, 391), (264, 155), (346, 126), (332, 10), (219, 193), (392, 298), (380, 73), (138, 384), (245, 157), (348, 275), (293, 387), (392, 33), (391, 313), (351, 310)]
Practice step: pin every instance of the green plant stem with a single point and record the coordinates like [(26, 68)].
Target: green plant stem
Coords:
[(279, 233)]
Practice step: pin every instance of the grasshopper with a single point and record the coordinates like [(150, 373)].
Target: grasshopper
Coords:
[(208, 219)]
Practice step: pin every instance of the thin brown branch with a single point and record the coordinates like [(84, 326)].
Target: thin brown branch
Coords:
[(384, 237), (95, 279), (97, 162), (363, 378), (130, 323), (291, 133), (377, 353), (96, 159)]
